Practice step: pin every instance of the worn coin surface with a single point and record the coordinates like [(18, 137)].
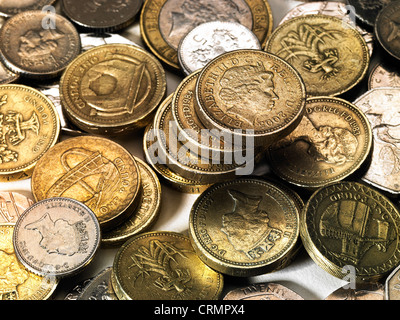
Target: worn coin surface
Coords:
[(9, 8), (99, 288), (332, 8), (387, 29), (234, 80), (379, 106), (263, 291), (331, 142), (30, 126), (163, 266), (244, 227), (331, 55), (93, 170), (18, 283), (210, 39), (392, 285), (369, 291), (164, 23), (368, 10), (29, 49), (112, 89), (6, 75), (383, 76), (103, 16), (348, 224), (12, 205), (147, 210), (56, 237)]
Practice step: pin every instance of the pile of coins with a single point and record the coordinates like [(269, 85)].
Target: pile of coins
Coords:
[(313, 100)]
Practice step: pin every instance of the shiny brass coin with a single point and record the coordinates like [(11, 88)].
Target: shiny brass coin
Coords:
[(163, 266), (348, 224), (10, 8), (29, 49), (392, 285), (112, 89), (331, 55), (379, 106), (93, 170), (244, 227), (263, 291), (163, 24), (146, 212), (233, 81), (18, 283), (369, 291), (387, 28), (331, 142), (183, 161), (30, 126), (169, 177), (12, 205)]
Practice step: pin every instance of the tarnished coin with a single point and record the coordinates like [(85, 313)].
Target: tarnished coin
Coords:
[(56, 237), (163, 266), (169, 177), (112, 89), (93, 170), (29, 49), (368, 10), (211, 39), (332, 8), (368, 291), (392, 285), (383, 76), (102, 16), (331, 55), (12, 205), (147, 210), (387, 28), (350, 225), (99, 288), (74, 293), (244, 227), (380, 107), (9, 8), (263, 291), (332, 141), (16, 282), (163, 24), (6, 75), (235, 80), (29, 125)]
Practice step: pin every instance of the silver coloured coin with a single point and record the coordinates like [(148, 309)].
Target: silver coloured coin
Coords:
[(56, 237), (211, 39), (100, 288)]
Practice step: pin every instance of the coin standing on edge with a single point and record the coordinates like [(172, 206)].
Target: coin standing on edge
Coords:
[(94, 15), (164, 23), (331, 55), (163, 266), (348, 224), (95, 171), (32, 51), (112, 89), (12, 205), (262, 291), (30, 127), (244, 227), (18, 283), (332, 141), (56, 237)]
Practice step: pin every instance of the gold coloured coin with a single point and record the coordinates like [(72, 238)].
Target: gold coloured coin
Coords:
[(30, 126), (163, 266), (348, 224), (233, 81), (146, 212), (163, 24), (112, 89), (331, 142), (330, 54), (244, 227), (17, 283), (93, 170)]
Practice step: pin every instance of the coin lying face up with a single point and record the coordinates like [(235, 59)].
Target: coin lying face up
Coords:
[(57, 236)]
